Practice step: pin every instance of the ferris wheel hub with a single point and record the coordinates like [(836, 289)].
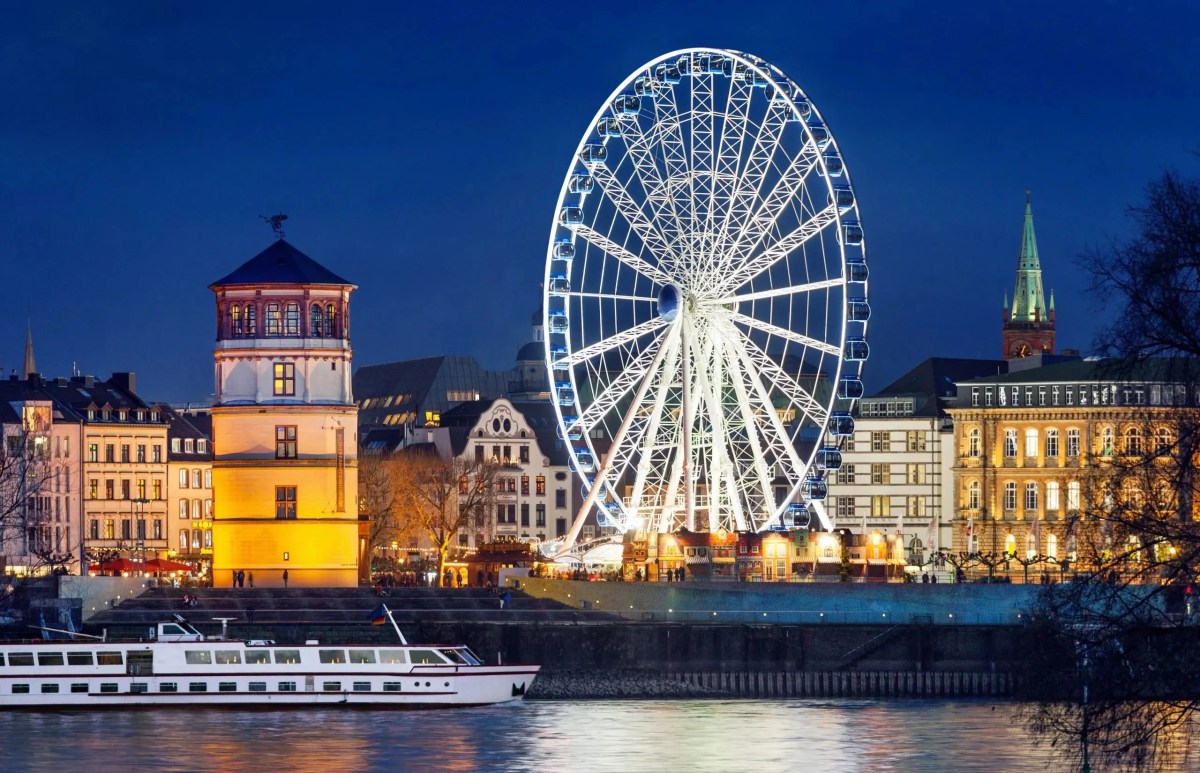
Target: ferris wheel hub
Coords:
[(668, 303)]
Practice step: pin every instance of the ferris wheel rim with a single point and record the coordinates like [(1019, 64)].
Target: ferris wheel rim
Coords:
[(659, 333)]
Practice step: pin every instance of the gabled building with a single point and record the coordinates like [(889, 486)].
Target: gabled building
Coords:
[(190, 488)]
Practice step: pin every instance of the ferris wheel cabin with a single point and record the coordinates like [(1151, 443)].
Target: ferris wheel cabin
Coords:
[(564, 249), (857, 349), (850, 388), (858, 310), (829, 458), (841, 424)]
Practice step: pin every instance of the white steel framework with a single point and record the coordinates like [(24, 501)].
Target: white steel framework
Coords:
[(705, 300)]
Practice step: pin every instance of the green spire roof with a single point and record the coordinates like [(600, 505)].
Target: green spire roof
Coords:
[(1029, 302)]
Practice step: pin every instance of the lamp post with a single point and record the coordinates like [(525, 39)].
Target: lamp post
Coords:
[(139, 542)]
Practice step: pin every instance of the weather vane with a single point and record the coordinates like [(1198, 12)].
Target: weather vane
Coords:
[(276, 222)]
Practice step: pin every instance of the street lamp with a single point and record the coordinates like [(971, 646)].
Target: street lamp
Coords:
[(139, 543)]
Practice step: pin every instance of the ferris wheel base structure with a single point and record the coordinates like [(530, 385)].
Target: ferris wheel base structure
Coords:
[(705, 301)]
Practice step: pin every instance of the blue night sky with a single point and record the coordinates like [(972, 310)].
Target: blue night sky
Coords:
[(419, 152)]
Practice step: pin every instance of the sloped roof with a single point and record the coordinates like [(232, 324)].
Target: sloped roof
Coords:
[(281, 263), (1164, 370), (539, 415), (934, 381), (426, 384)]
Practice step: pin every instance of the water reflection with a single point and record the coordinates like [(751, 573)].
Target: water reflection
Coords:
[(835, 736)]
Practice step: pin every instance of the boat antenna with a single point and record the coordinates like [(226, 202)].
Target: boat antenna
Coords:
[(388, 612)]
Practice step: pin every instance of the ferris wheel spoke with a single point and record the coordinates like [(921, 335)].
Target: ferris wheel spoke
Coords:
[(718, 463), (761, 479), (772, 428), (654, 422), (612, 188), (617, 252), (750, 181), (784, 333), (804, 401), (782, 248), (806, 287), (620, 387), (608, 344), (639, 150), (610, 297), (729, 155)]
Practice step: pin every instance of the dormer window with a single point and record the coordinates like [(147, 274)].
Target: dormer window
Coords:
[(153, 415), (141, 415), (122, 416), (106, 415), (91, 414), (174, 445), (188, 446), (202, 446)]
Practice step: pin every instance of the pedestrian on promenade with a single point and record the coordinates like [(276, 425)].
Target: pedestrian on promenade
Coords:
[(285, 578), (250, 577)]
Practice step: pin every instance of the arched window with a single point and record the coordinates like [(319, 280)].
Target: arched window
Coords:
[(195, 539), (314, 320), (1106, 442), (1051, 444), (973, 442), (235, 321), (1010, 545), (1052, 546), (183, 508), (331, 321), (291, 319), (183, 539), (274, 320), (251, 320), (1133, 442), (1031, 443), (1031, 496), (973, 495), (1073, 496), (1010, 443), (208, 538), (1010, 496), (1031, 546), (1163, 441), (1073, 442)]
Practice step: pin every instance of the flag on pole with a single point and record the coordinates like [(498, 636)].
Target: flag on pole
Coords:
[(970, 535), (379, 615)]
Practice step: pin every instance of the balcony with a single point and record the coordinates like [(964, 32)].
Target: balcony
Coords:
[(1051, 461), (1009, 461)]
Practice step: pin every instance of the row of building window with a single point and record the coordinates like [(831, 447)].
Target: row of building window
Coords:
[(1131, 442), (130, 529), (282, 319), (501, 454), (1081, 394), (197, 479), (914, 440), (881, 506), (139, 455), (881, 474), (106, 414), (1031, 499)]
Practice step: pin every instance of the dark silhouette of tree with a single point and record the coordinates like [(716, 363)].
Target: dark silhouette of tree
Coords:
[(1113, 680)]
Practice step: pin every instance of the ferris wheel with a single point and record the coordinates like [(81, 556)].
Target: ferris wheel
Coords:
[(705, 301)]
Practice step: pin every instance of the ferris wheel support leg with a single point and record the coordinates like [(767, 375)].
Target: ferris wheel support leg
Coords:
[(590, 500), (818, 507)]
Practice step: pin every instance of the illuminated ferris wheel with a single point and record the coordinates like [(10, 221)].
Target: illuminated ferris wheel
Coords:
[(705, 300)]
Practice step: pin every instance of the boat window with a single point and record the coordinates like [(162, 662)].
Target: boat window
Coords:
[(139, 687), (197, 657), (227, 657), (258, 687), (79, 659), (331, 686), (258, 656), (227, 686), (20, 689), (1, 659), (392, 656), (391, 687), (459, 657), (50, 659), (108, 687), (425, 657), (168, 687), (20, 658), (287, 687), (171, 628), (287, 656), (109, 659), (79, 687), (332, 656), (362, 656), (362, 687), (198, 687), (51, 687)]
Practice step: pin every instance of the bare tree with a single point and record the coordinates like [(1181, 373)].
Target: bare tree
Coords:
[(443, 497), (1112, 679), (25, 530)]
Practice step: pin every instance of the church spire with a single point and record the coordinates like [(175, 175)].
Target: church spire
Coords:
[(30, 366), (1029, 323), (1029, 300)]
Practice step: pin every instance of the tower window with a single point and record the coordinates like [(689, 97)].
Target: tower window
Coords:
[(285, 442), (285, 502), (314, 320), (285, 379), (235, 321), (291, 319), (330, 321), (251, 321), (274, 319)]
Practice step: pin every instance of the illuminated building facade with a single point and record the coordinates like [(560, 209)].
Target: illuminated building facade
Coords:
[(284, 424), (190, 488)]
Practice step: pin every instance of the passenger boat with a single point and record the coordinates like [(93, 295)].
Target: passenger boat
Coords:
[(182, 667)]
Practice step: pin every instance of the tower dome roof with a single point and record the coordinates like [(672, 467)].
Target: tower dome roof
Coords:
[(281, 263)]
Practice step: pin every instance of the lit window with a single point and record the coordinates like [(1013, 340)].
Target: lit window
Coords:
[(285, 379), (274, 325), (291, 320), (285, 502), (314, 320)]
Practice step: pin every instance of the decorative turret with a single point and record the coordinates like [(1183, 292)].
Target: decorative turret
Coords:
[(1029, 324)]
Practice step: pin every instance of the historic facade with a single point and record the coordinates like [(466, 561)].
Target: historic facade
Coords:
[(285, 429), (1028, 326), (1034, 452)]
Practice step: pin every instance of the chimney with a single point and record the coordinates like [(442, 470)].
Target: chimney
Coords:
[(89, 382), (126, 381)]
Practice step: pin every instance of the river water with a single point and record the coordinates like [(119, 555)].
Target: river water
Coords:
[(588, 737)]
